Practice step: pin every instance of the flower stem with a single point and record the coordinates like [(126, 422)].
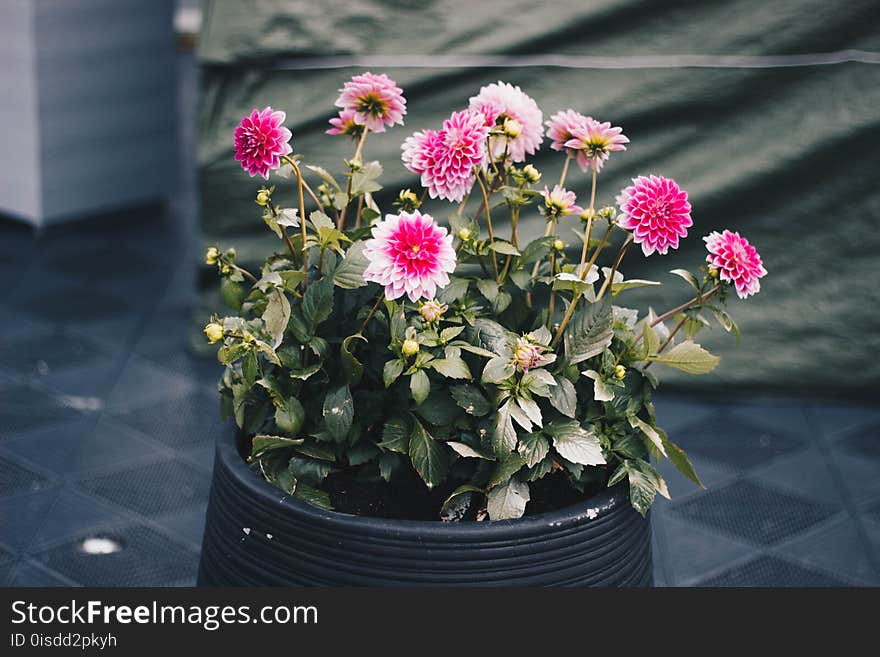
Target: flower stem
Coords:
[(302, 223), (489, 224), (589, 228), (697, 300), (308, 189), (551, 306), (284, 234), (610, 278), (565, 170), (372, 312), (340, 225)]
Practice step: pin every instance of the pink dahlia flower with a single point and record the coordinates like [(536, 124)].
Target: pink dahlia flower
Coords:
[(736, 260), (260, 140), (344, 124), (445, 159), (560, 202), (561, 126), (409, 254), (511, 103), (594, 142), (376, 101), (657, 211)]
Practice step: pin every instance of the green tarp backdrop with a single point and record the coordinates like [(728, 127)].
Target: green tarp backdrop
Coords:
[(767, 113)]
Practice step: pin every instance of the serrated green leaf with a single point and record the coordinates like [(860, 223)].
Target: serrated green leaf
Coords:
[(428, 456), (250, 367), (649, 432), (563, 397), (456, 289), (490, 335), (419, 386), (688, 357), (508, 465), (508, 500), (537, 249), (465, 450), (488, 288), (232, 293), (350, 272), (498, 369), (276, 316), (503, 432), (318, 301), (290, 416), (533, 447), (263, 443), (338, 412), (575, 443), (680, 460), (324, 175), (352, 368), (313, 496), (451, 368), (589, 332), (504, 248), (688, 277), (392, 371), (471, 399), (395, 435), (309, 471), (447, 510)]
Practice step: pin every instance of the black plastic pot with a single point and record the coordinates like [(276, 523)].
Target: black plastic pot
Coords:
[(255, 535)]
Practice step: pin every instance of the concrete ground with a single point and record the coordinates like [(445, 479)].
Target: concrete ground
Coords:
[(107, 422)]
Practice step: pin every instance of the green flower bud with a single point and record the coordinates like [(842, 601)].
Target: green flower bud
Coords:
[(713, 272), (212, 255), (531, 174), (263, 196), (464, 234), (559, 245), (410, 347), (214, 332), (619, 371), (512, 128), (588, 214)]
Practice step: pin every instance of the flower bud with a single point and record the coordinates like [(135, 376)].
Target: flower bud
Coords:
[(212, 255), (464, 234), (619, 371), (607, 212), (225, 269), (713, 272), (408, 200), (531, 174), (512, 128), (528, 355), (410, 347), (559, 245), (214, 332), (588, 214), (432, 310), (263, 196)]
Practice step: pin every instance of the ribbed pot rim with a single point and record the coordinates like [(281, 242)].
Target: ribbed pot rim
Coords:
[(594, 509)]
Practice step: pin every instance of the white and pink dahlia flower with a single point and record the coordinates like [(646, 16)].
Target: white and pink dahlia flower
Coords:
[(260, 140), (593, 142), (376, 101), (445, 159), (409, 254), (657, 212), (560, 202), (560, 129), (737, 261), (502, 101)]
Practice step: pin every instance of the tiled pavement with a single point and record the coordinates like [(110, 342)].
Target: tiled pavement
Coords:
[(107, 422)]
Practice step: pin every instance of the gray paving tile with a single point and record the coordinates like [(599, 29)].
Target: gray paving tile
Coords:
[(753, 512), (181, 422), (16, 478), (143, 384), (836, 548), (22, 515), (780, 415), (805, 472), (147, 559), (860, 476), (27, 573), (674, 413), (692, 551), (26, 407), (771, 571), (862, 442), (835, 419)]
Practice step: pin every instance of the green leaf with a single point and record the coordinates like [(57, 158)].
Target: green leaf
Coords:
[(338, 412), (726, 321), (589, 332), (263, 443), (290, 416), (649, 432), (447, 512), (456, 289), (439, 409), (503, 433), (275, 470), (321, 221), (602, 392), (563, 396), (490, 335), (232, 293), (680, 460), (507, 466), (276, 316), (688, 357), (650, 338), (465, 450), (389, 462), (471, 400), (250, 367), (488, 288), (642, 489), (428, 456), (395, 435), (451, 368), (531, 409), (471, 349), (324, 175), (508, 500), (350, 272), (498, 369), (504, 248), (449, 333), (501, 302), (362, 452), (304, 373), (419, 386), (392, 371), (309, 471), (313, 496), (575, 443), (311, 448), (352, 368), (318, 301), (533, 447), (537, 249), (688, 277), (364, 181), (291, 278)]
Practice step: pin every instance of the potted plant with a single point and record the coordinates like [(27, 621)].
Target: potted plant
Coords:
[(425, 404)]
